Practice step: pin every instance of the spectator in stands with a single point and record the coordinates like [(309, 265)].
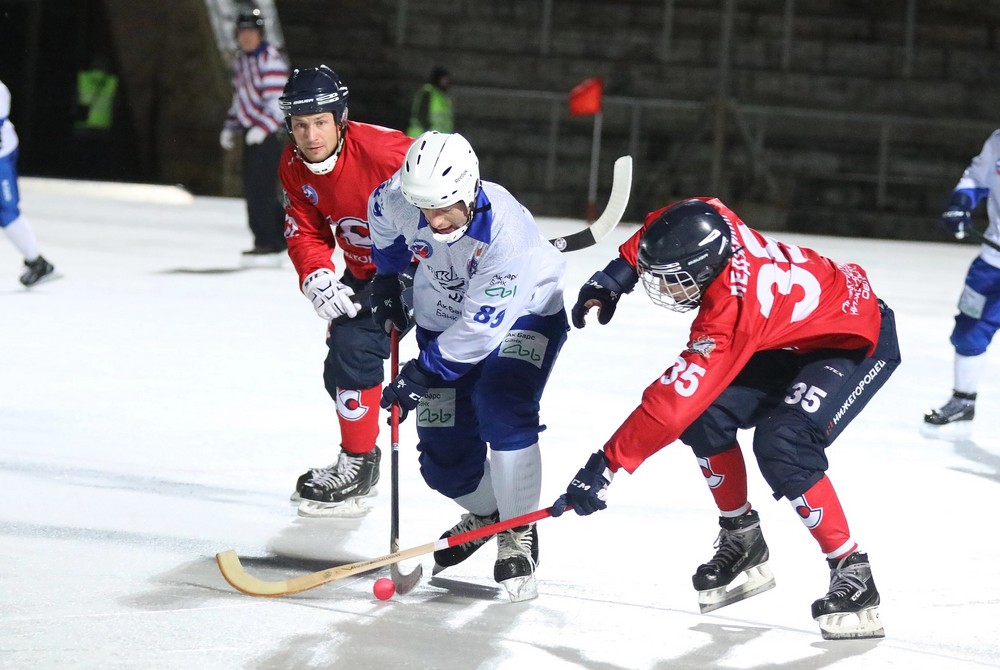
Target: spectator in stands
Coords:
[(432, 108)]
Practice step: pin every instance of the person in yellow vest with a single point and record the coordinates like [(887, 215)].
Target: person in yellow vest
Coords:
[(96, 89), (431, 108)]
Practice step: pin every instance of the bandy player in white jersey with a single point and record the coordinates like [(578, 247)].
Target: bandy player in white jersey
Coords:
[(979, 305), (488, 305)]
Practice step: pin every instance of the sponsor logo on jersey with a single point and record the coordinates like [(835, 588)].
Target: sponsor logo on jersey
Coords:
[(291, 227), (703, 346), (811, 516), (524, 345), (855, 394), (349, 404), (310, 193), (421, 248), (437, 409), (713, 479), (451, 283), (501, 292)]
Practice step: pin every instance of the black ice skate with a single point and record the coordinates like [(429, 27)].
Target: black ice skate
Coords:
[(340, 490), (517, 558), (741, 551), (37, 271), (850, 609), (953, 419), (445, 558)]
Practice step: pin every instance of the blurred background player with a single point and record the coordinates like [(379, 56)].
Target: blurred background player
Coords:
[(328, 172), (785, 341), (432, 108), (488, 304), (14, 225), (979, 305), (258, 75)]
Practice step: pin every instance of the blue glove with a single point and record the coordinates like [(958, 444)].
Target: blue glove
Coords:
[(957, 216), (388, 309), (406, 390), (586, 493), (603, 290)]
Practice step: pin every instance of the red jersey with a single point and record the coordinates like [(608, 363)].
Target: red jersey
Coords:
[(771, 296), (322, 211)]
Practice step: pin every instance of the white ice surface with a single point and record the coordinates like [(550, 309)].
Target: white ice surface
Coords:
[(152, 414)]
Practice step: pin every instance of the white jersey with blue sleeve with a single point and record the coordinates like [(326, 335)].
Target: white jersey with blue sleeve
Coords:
[(473, 290), (982, 180), (8, 138)]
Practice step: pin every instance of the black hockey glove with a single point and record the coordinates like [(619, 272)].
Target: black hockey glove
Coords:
[(586, 493), (406, 390), (388, 309), (957, 216), (603, 290)]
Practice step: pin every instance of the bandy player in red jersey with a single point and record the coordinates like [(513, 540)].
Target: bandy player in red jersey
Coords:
[(327, 173), (785, 341)]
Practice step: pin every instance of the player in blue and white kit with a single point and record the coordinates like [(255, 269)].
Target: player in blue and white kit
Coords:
[(488, 305), (979, 305), (11, 220)]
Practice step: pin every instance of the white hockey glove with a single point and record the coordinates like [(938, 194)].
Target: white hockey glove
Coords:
[(227, 139), (256, 135), (330, 298)]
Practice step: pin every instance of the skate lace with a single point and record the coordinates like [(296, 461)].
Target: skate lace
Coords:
[(844, 582), (729, 547), (469, 522), (345, 470), (514, 543)]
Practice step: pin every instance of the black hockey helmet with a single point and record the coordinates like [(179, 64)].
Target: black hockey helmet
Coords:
[(682, 252), (250, 17), (314, 90)]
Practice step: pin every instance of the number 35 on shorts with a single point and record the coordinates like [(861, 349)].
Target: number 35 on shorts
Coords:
[(810, 397)]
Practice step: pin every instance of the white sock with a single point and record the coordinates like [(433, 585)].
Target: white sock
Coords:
[(517, 480), (968, 370), (480, 502), (20, 234)]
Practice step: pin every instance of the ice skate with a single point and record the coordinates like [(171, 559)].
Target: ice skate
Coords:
[(740, 552), (953, 420), (445, 558), (340, 490), (850, 609), (517, 558), (37, 271), (304, 478)]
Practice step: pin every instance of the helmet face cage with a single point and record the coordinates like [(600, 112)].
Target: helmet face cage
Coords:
[(440, 169), (671, 287), (314, 90)]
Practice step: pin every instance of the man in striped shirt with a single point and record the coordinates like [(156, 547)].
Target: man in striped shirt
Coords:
[(259, 75)]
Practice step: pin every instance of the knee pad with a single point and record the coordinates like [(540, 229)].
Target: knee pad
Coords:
[(971, 337), (791, 454)]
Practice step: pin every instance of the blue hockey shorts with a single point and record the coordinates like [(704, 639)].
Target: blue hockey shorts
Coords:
[(496, 403), (10, 198), (978, 310)]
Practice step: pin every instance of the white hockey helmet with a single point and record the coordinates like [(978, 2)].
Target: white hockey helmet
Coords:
[(439, 170)]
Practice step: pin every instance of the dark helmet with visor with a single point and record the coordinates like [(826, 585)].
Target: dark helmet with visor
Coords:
[(682, 252)]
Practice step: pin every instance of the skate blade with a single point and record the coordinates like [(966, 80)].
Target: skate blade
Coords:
[(758, 580), (44, 280), (950, 432), (851, 625), (520, 589), (351, 508)]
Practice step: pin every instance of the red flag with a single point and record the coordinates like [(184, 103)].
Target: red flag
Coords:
[(585, 98)]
